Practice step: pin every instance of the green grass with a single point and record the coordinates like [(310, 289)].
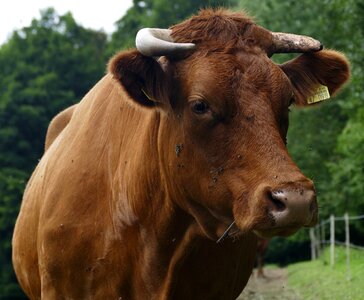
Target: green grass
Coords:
[(317, 280)]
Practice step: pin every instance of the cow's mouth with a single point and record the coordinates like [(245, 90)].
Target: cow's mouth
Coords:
[(275, 228)]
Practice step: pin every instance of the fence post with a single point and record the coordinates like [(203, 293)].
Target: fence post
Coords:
[(332, 241), (347, 244), (318, 241), (322, 239), (313, 244), (323, 235)]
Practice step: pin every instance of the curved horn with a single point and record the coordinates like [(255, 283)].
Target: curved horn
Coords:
[(158, 42), (289, 43)]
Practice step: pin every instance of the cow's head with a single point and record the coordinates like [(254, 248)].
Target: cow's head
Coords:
[(224, 117)]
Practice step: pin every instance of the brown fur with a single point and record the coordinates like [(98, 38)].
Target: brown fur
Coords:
[(129, 199), (221, 30), (58, 123), (212, 26)]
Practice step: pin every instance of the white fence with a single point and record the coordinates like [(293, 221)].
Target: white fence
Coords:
[(318, 239)]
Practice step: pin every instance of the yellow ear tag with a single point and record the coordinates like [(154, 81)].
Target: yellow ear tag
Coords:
[(322, 93)]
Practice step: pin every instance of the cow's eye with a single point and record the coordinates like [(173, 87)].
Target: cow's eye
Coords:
[(199, 107)]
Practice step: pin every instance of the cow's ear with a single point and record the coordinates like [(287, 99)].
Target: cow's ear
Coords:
[(142, 77), (310, 70)]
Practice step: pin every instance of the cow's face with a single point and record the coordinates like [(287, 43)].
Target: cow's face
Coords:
[(234, 112), (224, 126)]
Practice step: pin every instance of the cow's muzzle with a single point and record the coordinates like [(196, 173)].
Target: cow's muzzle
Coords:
[(289, 207)]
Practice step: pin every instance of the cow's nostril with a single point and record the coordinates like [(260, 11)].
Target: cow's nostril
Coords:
[(277, 200)]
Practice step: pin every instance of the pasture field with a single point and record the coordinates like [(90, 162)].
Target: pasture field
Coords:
[(317, 280)]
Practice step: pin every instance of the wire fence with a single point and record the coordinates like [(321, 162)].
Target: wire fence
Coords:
[(318, 239)]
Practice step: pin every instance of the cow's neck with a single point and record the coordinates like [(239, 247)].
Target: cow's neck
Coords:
[(164, 237), (168, 234)]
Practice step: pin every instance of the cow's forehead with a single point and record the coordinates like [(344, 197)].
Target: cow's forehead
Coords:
[(211, 75), (223, 75)]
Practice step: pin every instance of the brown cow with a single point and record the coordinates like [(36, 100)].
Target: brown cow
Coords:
[(160, 157)]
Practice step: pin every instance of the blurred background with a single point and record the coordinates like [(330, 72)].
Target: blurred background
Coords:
[(51, 54)]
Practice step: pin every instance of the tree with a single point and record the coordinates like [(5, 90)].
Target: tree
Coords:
[(347, 170)]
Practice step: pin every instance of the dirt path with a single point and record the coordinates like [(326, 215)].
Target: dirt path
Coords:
[(273, 286)]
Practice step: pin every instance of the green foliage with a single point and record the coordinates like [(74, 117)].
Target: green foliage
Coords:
[(284, 252), (44, 68), (317, 280), (348, 171), (12, 185)]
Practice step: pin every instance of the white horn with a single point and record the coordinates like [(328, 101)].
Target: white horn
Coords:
[(288, 42), (158, 42)]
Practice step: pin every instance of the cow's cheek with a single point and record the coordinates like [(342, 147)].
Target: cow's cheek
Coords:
[(248, 212)]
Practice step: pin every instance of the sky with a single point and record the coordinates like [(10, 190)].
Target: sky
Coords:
[(15, 14)]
